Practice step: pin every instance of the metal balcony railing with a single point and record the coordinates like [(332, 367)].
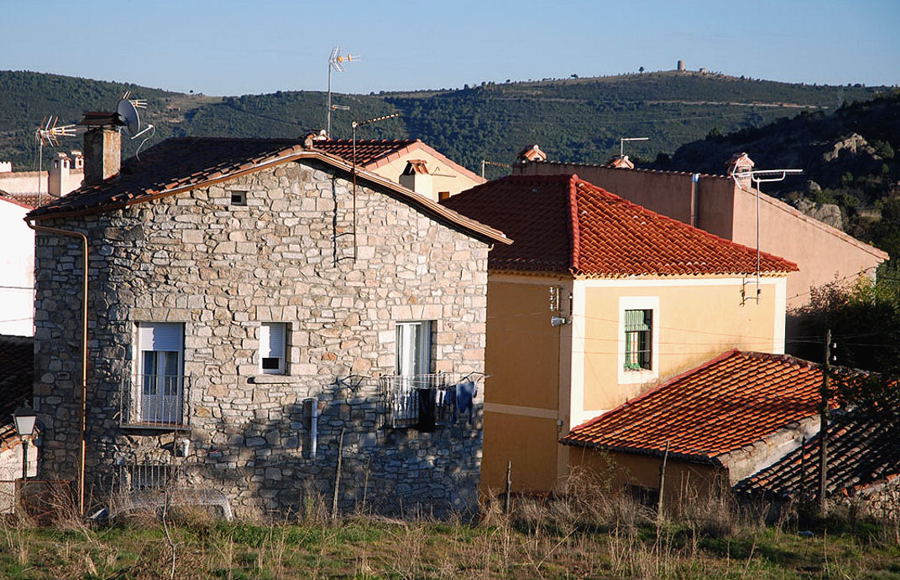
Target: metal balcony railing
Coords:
[(155, 401), (421, 401)]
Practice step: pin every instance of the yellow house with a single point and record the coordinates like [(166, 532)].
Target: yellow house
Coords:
[(410, 162), (597, 300)]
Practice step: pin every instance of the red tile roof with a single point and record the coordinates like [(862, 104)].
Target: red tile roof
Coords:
[(181, 164), (26, 200), (862, 451), (561, 223), (374, 153), (16, 378), (730, 402)]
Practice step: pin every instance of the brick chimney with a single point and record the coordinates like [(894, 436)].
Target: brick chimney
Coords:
[(416, 177), (740, 163), (102, 147)]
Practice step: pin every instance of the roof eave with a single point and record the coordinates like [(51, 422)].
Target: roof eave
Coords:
[(481, 231)]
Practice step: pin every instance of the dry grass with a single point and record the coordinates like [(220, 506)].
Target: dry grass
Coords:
[(587, 532)]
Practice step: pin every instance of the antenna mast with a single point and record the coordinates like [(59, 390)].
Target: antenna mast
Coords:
[(622, 143), (335, 62), (758, 176), (49, 132)]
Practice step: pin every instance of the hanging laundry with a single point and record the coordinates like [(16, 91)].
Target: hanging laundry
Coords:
[(465, 399)]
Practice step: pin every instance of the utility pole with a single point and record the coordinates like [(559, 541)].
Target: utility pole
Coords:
[(823, 425)]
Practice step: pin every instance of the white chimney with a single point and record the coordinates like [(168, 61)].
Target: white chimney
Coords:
[(417, 178)]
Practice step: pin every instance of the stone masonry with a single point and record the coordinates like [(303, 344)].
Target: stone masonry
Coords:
[(221, 269)]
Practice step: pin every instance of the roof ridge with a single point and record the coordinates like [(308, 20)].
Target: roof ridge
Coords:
[(574, 225), (679, 224)]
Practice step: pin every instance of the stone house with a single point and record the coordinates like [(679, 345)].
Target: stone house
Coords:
[(597, 301), (260, 324)]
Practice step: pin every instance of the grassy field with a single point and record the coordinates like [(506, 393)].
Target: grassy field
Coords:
[(560, 540)]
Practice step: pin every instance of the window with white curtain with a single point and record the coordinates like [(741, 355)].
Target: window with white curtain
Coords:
[(272, 348), (414, 348)]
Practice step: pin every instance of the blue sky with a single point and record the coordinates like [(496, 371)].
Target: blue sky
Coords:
[(231, 47)]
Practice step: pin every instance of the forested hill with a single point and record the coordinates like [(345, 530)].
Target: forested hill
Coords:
[(849, 158), (572, 119)]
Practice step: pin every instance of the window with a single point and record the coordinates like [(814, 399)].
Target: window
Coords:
[(272, 348), (160, 380), (638, 340), (412, 388), (413, 348), (442, 195), (238, 198)]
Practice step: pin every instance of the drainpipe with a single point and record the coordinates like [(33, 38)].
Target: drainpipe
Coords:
[(84, 353), (695, 181), (313, 426)]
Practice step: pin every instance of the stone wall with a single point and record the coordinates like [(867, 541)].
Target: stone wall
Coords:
[(222, 269)]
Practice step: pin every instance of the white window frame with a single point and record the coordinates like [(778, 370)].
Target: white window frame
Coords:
[(628, 376), (160, 389), (273, 338), (414, 345)]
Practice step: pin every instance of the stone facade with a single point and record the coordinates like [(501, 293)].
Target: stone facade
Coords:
[(220, 270)]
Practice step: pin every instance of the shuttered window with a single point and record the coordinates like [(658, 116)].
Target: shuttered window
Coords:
[(272, 347), (638, 339)]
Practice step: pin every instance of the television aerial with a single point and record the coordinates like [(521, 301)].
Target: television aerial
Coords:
[(48, 133), (336, 62), (127, 109)]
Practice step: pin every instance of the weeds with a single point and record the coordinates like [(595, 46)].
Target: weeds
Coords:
[(587, 531)]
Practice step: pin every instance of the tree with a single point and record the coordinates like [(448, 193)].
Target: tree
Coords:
[(641, 70)]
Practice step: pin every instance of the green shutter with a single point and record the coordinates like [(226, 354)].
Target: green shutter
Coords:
[(637, 320)]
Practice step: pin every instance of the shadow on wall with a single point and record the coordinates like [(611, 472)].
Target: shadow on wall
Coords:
[(277, 463)]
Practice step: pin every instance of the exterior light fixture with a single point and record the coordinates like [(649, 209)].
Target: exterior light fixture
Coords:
[(24, 418)]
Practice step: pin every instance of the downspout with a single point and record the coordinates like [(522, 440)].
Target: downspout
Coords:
[(695, 181), (84, 353)]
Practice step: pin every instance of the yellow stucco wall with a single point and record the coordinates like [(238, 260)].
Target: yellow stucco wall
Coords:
[(696, 321), (530, 443), (684, 481), (441, 179), (522, 361)]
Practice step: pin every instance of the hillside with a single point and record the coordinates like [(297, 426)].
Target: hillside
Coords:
[(848, 158), (572, 119)]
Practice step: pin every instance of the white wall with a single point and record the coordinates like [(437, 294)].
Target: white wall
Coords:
[(16, 271)]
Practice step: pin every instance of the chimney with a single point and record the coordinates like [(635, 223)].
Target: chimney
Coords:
[(739, 166), (59, 175), (416, 177), (531, 154), (102, 147), (620, 162)]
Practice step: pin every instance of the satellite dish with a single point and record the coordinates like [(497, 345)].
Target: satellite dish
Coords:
[(128, 113)]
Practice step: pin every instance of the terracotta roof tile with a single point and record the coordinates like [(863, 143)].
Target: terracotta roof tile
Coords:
[(861, 451), (180, 164), (562, 223), (368, 151), (726, 404)]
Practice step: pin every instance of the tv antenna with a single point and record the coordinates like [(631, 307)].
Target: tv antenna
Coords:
[(48, 133), (492, 164), (336, 62), (352, 233), (758, 176), (622, 143), (127, 110)]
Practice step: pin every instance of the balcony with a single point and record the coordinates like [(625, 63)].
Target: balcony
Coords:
[(155, 401), (423, 402)]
